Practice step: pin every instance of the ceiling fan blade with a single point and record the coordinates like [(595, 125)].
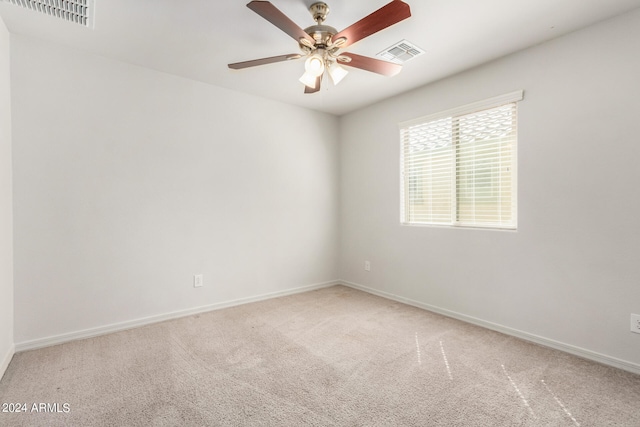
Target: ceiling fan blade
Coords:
[(315, 89), (382, 18), (371, 64), (279, 19), (263, 61)]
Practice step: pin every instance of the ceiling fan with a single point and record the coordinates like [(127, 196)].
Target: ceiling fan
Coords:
[(320, 43)]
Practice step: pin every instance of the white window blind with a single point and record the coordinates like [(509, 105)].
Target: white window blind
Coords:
[(459, 166)]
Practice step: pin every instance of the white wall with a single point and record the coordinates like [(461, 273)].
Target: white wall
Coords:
[(571, 272), (128, 181), (6, 227)]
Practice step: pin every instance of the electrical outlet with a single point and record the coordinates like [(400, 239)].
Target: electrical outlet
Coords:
[(367, 266), (635, 323), (197, 280)]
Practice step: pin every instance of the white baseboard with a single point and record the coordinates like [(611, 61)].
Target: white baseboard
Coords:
[(4, 362), (117, 327), (567, 348)]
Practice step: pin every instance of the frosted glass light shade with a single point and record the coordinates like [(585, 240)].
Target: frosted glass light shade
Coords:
[(308, 80), (337, 73), (314, 65)]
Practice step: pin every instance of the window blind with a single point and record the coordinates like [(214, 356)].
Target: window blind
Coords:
[(459, 167)]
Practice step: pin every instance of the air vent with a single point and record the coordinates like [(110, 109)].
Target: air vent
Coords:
[(76, 11), (400, 52)]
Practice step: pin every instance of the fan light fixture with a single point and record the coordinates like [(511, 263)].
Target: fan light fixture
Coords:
[(315, 66)]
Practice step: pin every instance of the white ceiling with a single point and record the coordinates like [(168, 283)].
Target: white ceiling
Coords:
[(196, 39)]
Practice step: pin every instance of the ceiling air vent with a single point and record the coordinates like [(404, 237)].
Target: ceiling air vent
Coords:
[(400, 52), (76, 11)]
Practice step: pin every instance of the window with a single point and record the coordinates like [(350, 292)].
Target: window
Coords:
[(459, 166)]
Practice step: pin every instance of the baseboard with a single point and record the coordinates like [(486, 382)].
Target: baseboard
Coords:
[(567, 348), (117, 327), (4, 362)]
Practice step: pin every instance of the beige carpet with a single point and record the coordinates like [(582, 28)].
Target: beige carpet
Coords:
[(332, 357)]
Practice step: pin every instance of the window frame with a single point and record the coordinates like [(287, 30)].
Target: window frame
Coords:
[(475, 107)]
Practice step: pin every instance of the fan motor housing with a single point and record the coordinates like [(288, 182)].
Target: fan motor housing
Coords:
[(322, 34)]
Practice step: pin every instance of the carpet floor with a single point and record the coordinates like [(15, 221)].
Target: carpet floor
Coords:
[(331, 357)]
